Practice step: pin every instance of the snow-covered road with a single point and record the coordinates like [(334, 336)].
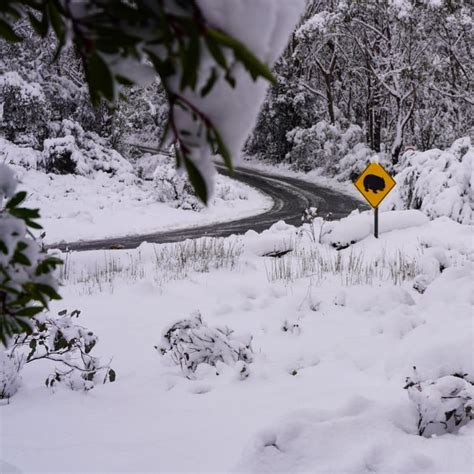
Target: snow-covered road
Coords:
[(290, 197)]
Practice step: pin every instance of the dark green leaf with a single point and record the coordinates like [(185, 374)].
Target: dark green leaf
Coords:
[(216, 52), (99, 78), (253, 65), (197, 180), (21, 258), (7, 32), (40, 26), (30, 311), (223, 150), (210, 83), (112, 375), (16, 199)]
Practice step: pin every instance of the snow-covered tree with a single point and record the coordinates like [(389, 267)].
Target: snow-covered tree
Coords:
[(400, 71)]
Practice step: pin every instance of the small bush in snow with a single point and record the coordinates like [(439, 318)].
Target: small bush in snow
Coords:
[(61, 340), (444, 405), (174, 187), (313, 223), (191, 342), (27, 281)]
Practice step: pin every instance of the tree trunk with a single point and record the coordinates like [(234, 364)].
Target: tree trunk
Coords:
[(329, 98)]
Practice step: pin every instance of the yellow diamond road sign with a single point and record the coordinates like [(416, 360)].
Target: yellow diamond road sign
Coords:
[(374, 184)]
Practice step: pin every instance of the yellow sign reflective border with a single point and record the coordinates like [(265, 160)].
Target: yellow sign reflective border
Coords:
[(374, 184)]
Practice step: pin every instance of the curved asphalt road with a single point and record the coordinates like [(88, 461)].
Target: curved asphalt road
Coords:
[(290, 196)]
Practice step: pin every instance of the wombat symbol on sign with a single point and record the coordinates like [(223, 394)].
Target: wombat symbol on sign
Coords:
[(374, 183)]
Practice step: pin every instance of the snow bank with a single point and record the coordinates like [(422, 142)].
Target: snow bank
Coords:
[(363, 435), (358, 226), (439, 183)]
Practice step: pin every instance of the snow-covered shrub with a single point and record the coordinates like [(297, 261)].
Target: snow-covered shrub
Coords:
[(76, 151), (226, 189), (324, 145), (146, 165), (27, 281), (433, 262), (190, 342), (443, 405), (439, 183), (25, 157), (10, 367), (61, 340), (24, 113), (61, 156), (174, 187)]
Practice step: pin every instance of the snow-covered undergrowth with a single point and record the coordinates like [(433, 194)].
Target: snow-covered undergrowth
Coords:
[(83, 207), (192, 344), (61, 341), (439, 183), (329, 148), (174, 187), (70, 151), (331, 357)]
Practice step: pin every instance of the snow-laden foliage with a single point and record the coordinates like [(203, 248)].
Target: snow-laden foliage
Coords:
[(443, 405), (27, 280), (173, 186), (140, 118), (24, 113), (439, 183), (37, 92), (191, 342), (79, 152), (322, 146), (71, 150), (60, 340)]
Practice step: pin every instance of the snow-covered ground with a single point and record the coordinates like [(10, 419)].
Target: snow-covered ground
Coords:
[(75, 207), (335, 335)]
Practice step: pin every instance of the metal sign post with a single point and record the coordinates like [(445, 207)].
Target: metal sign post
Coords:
[(376, 222), (374, 184)]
